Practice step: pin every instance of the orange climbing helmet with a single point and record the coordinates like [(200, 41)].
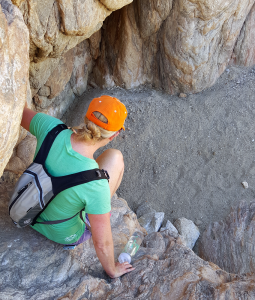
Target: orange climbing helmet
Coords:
[(112, 109)]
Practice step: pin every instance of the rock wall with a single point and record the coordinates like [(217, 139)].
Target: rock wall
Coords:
[(57, 52), (56, 26), (244, 51), (231, 243), (180, 46), (14, 65)]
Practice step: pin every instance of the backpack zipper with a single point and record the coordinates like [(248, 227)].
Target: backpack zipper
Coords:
[(20, 192)]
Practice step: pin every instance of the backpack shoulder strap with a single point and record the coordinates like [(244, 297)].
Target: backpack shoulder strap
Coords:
[(47, 143), (65, 182), (62, 183)]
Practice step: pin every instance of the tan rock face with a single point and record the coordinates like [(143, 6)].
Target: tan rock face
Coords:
[(181, 48), (115, 4), (14, 47), (26, 150), (244, 51), (61, 75), (82, 18), (68, 80), (83, 65), (56, 26)]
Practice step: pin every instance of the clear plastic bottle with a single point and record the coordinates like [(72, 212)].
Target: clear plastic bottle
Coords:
[(131, 247)]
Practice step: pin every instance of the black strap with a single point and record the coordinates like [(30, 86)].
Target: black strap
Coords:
[(47, 143), (65, 182), (64, 220), (56, 221)]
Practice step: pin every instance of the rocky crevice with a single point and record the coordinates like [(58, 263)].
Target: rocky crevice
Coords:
[(36, 268), (58, 47)]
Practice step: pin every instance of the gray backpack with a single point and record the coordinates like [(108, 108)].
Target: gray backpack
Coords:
[(36, 188)]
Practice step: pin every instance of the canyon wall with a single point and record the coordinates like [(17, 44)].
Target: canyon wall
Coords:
[(14, 84), (178, 46), (49, 52), (50, 46)]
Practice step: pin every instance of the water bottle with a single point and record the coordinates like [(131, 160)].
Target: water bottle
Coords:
[(131, 247)]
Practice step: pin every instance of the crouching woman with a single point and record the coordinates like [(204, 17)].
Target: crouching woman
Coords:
[(73, 152)]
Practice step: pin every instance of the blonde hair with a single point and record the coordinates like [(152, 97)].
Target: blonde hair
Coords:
[(89, 131)]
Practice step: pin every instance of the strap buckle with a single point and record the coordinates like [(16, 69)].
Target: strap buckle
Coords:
[(106, 174)]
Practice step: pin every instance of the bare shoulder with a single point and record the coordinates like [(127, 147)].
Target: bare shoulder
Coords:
[(27, 117)]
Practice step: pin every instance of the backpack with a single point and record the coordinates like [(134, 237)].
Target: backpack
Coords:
[(36, 187)]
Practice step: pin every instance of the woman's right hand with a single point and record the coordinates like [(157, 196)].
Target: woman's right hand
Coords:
[(122, 269)]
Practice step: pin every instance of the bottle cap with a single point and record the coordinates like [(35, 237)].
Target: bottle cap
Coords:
[(124, 257)]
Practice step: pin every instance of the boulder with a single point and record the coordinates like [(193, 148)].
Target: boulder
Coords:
[(61, 74), (69, 76), (14, 48), (171, 229), (83, 64), (144, 209), (33, 267), (230, 242), (26, 149), (244, 51), (182, 47), (151, 221), (56, 27), (188, 230), (16, 166), (175, 274)]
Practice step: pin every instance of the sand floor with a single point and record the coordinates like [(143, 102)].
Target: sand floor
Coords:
[(186, 156)]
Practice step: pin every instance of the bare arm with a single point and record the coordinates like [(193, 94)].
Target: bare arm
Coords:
[(27, 117), (102, 239)]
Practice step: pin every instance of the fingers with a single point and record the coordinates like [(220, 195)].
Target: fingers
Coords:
[(123, 269), (128, 267)]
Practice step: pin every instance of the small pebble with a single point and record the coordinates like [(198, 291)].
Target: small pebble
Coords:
[(245, 184), (182, 95), (198, 222)]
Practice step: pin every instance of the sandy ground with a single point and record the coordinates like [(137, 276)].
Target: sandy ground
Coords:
[(186, 156)]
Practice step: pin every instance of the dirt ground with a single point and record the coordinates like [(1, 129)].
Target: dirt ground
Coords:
[(186, 156)]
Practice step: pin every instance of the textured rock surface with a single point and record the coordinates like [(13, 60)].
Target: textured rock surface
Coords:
[(231, 243), (171, 229), (14, 46), (188, 230), (182, 46), (68, 80), (56, 26), (244, 51), (33, 267), (144, 209), (151, 221), (168, 270)]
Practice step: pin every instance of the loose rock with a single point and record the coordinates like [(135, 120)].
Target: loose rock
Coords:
[(188, 230), (144, 209), (182, 95), (151, 221), (171, 229), (245, 184)]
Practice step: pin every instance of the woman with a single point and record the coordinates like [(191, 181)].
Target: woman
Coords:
[(72, 152)]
